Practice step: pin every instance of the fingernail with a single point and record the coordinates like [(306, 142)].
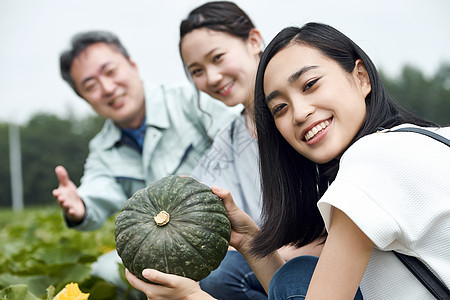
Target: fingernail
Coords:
[(146, 272)]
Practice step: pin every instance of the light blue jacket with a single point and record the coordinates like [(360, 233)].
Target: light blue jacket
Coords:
[(178, 133), (232, 162)]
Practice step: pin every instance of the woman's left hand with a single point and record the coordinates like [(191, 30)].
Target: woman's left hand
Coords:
[(168, 286), (243, 228)]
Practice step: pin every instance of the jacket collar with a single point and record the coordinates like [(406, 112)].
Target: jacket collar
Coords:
[(156, 107)]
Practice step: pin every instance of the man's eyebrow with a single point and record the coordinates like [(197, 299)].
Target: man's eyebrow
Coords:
[(299, 73), (206, 55), (102, 68), (291, 80)]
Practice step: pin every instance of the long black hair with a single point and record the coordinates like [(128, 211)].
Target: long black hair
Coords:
[(291, 184)]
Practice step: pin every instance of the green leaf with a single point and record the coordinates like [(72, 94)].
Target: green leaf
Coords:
[(57, 256), (72, 273), (39, 252), (99, 289), (17, 292), (36, 284)]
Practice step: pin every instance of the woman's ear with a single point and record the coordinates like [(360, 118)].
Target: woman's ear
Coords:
[(255, 41), (362, 77)]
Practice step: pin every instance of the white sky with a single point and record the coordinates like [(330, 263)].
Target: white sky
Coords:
[(34, 32)]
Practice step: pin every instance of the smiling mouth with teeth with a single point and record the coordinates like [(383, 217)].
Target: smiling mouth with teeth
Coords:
[(114, 101), (224, 91), (316, 130)]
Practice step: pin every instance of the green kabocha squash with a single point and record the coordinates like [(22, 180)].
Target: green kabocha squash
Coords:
[(175, 225)]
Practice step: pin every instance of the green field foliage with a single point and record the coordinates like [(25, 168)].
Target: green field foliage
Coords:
[(39, 255)]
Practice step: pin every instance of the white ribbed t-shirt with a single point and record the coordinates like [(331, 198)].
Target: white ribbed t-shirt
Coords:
[(395, 186)]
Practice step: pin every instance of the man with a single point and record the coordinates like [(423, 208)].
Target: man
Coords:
[(150, 131)]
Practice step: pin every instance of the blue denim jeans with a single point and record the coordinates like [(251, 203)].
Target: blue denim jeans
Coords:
[(291, 281), (234, 280)]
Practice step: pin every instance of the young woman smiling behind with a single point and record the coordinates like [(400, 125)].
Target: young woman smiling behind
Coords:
[(221, 48)]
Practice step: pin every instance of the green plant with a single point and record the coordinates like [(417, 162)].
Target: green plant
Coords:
[(39, 255), (176, 225)]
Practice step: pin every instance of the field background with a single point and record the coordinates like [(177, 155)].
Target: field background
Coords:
[(39, 255)]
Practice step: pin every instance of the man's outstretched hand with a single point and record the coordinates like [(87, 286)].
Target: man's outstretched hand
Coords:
[(67, 196)]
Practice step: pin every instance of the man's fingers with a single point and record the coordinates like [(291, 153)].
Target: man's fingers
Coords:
[(63, 176)]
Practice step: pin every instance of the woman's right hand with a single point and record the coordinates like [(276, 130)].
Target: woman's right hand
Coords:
[(243, 228), (167, 286)]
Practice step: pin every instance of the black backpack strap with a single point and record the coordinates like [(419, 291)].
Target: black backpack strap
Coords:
[(415, 266), (431, 134), (436, 287)]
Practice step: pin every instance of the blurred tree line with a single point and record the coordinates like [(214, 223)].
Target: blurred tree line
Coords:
[(428, 98), (48, 141)]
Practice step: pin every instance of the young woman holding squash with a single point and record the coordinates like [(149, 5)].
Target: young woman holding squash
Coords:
[(320, 110), (220, 49)]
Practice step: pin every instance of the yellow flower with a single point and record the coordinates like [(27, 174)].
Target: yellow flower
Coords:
[(105, 249), (71, 292)]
